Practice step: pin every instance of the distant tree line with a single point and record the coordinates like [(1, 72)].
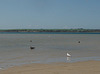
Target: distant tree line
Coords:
[(51, 30)]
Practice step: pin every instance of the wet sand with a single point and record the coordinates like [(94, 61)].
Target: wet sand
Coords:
[(86, 67)]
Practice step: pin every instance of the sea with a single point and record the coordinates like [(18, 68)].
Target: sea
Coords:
[(50, 47)]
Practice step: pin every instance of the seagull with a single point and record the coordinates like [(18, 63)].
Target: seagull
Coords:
[(68, 55)]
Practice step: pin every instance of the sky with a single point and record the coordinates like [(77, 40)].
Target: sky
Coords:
[(49, 14)]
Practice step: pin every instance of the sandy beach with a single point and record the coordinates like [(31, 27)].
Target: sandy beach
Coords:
[(86, 67)]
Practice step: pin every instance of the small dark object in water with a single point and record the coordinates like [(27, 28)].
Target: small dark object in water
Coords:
[(78, 41), (32, 47), (30, 40)]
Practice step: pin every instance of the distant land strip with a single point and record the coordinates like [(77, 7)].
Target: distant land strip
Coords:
[(51, 30)]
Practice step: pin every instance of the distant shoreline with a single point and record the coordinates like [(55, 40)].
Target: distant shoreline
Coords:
[(53, 30)]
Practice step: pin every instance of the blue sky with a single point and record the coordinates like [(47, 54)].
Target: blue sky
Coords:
[(49, 14)]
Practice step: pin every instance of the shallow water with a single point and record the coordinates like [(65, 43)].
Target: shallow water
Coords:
[(15, 48)]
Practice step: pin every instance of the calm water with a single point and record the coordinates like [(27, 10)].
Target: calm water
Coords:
[(14, 48)]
